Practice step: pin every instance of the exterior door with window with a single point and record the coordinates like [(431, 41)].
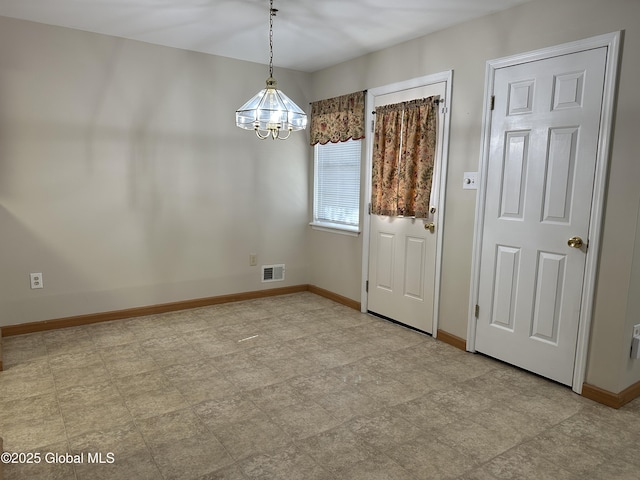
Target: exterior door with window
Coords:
[(402, 250)]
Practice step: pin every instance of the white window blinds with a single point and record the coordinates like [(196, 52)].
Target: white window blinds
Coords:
[(337, 184)]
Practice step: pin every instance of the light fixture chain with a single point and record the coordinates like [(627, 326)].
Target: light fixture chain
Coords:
[(271, 14)]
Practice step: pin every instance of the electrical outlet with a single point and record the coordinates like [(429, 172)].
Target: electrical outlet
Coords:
[(636, 330), (36, 280), (253, 259)]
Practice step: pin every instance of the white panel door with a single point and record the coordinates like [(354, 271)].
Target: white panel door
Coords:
[(539, 187), (402, 252)]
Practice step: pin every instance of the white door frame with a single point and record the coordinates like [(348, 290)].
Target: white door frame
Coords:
[(447, 77), (612, 42)]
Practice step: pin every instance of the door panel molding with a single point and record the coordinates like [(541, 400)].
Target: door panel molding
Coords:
[(567, 93), (438, 189)]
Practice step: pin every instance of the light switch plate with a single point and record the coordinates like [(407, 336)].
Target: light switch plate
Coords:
[(470, 181)]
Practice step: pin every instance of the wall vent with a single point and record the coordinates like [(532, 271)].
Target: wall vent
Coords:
[(273, 273)]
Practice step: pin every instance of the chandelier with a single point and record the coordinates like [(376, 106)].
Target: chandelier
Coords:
[(270, 112)]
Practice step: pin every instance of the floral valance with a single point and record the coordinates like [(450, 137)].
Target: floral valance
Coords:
[(338, 119)]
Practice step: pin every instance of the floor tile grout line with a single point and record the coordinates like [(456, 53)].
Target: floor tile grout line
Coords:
[(64, 423)]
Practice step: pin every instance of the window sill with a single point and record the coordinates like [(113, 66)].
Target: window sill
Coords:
[(336, 228)]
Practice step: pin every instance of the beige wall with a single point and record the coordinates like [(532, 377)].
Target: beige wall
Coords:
[(465, 49), (124, 180)]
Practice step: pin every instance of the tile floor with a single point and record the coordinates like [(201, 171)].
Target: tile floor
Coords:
[(294, 388)]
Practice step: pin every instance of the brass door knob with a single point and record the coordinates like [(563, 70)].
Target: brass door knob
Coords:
[(430, 226), (575, 242)]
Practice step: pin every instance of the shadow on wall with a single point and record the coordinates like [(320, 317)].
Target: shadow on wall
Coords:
[(124, 180), (132, 173)]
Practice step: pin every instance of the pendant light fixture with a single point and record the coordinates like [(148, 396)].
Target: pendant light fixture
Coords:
[(270, 112)]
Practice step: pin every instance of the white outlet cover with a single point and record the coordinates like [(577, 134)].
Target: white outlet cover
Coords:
[(470, 181), (36, 280)]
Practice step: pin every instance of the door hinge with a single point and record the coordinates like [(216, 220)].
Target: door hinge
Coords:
[(366, 286), (493, 102), (369, 208), (477, 311)]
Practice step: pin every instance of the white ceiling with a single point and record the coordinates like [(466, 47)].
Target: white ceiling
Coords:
[(308, 34)]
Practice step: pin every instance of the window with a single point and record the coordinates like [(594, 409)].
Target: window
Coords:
[(336, 196)]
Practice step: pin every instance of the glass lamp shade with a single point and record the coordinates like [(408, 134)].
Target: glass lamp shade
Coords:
[(271, 113)]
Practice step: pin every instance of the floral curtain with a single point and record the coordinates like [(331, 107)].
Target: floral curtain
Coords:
[(338, 119), (403, 158), (384, 175)]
